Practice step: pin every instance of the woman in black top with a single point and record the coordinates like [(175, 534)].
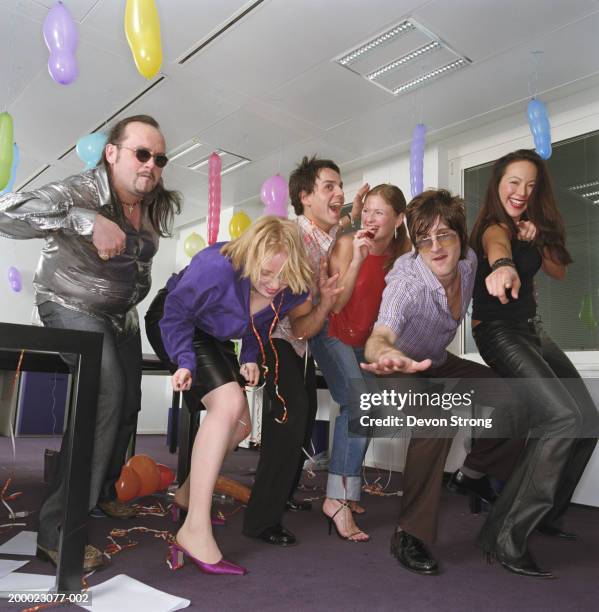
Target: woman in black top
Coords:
[(518, 231)]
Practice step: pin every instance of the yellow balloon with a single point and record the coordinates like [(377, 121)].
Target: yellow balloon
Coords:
[(6, 148), (193, 244), (238, 224), (142, 28)]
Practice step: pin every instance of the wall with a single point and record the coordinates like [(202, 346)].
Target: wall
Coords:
[(24, 255)]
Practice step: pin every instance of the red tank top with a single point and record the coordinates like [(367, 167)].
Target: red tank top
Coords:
[(355, 322)]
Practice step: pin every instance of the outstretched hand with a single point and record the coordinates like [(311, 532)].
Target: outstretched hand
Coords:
[(527, 231), (501, 281), (394, 361), (328, 285)]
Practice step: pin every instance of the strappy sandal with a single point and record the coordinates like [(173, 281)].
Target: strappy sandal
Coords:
[(331, 520)]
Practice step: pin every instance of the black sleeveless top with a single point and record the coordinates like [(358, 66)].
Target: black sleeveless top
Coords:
[(528, 260)]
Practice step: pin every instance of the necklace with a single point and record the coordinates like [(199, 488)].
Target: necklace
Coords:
[(130, 207)]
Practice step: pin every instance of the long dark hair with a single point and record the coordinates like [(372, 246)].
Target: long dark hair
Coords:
[(395, 198), (541, 209), (163, 204)]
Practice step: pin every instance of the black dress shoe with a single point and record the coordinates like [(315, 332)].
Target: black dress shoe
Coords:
[(278, 535), (464, 485), (296, 505), (556, 532), (524, 566), (412, 554)]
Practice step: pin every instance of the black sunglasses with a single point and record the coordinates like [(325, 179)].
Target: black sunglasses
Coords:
[(143, 155)]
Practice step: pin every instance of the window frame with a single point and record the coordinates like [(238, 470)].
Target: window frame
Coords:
[(485, 149)]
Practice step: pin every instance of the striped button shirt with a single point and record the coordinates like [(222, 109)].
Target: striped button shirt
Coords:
[(318, 244), (415, 307)]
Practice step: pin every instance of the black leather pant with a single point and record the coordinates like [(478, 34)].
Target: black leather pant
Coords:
[(564, 424)]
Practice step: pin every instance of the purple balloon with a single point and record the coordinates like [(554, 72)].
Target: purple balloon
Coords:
[(14, 279), (274, 194), (417, 159), (60, 34)]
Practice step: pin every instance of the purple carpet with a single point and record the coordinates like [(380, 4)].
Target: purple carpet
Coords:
[(326, 573)]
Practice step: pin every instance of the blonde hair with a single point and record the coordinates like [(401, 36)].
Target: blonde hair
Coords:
[(266, 237)]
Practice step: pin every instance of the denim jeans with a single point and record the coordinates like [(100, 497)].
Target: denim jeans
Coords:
[(340, 364), (119, 401)]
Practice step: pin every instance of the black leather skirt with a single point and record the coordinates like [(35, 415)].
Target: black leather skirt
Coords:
[(217, 363)]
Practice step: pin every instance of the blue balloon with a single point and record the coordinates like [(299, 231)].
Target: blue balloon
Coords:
[(89, 148), (539, 127), (13, 169)]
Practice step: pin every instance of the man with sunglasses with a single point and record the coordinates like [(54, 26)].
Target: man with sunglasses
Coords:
[(427, 295), (101, 230)]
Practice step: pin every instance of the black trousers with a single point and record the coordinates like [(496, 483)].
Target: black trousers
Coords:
[(564, 423), (429, 445), (281, 457)]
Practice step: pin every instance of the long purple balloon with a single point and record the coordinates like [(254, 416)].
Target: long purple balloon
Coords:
[(14, 279), (417, 159), (61, 36)]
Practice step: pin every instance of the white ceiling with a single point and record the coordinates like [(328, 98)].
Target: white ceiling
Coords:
[(266, 87)]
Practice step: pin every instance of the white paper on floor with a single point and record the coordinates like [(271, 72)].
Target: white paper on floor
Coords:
[(8, 566), (110, 596), (24, 543), (17, 582)]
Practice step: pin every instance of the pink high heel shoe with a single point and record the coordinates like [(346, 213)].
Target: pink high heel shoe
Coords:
[(176, 560)]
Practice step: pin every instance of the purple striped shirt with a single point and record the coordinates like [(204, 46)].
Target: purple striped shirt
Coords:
[(415, 307)]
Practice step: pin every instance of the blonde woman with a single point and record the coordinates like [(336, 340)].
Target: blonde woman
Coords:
[(235, 290)]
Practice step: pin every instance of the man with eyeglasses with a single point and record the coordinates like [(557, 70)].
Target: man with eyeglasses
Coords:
[(427, 295), (101, 230)]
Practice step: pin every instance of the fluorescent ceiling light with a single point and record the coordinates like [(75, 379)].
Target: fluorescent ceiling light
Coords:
[(583, 185), (199, 164), (430, 76), (184, 150), (433, 46), (590, 194), (403, 57), (230, 162), (378, 41), (235, 166)]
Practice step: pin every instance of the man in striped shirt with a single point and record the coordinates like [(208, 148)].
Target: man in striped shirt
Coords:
[(425, 301)]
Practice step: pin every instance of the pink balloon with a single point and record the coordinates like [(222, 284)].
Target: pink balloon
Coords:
[(274, 194), (214, 196)]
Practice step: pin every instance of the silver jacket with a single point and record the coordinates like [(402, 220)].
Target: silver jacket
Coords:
[(70, 272)]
